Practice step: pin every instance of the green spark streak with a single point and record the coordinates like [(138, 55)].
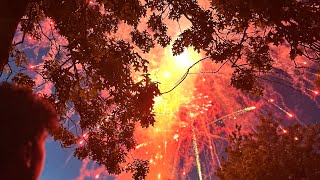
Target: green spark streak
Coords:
[(196, 152)]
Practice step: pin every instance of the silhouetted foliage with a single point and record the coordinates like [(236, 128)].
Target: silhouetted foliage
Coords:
[(92, 72), (273, 153)]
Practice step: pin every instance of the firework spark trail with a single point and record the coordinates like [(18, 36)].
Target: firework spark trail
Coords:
[(313, 91), (141, 145), (196, 151), (312, 73), (303, 124), (283, 110), (271, 101), (289, 114), (215, 153), (67, 160), (175, 159), (236, 113), (212, 148), (265, 113)]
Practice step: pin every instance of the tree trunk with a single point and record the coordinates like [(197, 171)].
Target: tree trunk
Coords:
[(11, 11)]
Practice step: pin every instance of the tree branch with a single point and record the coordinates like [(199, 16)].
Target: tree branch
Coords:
[(184, 76)]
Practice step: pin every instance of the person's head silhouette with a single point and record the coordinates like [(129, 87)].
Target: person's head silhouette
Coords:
[(25, 120)]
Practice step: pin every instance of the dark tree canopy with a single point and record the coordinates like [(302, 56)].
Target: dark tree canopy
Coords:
[(273, 153), (95, 61), (91, 74)]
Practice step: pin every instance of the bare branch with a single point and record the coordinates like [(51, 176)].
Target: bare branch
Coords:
[(184, 76)]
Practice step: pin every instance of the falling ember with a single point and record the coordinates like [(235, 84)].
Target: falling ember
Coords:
[(280, 108), (313, 91), (175, 137), (285, 131)]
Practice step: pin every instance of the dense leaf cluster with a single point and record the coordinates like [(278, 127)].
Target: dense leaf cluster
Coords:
[(273, 153)]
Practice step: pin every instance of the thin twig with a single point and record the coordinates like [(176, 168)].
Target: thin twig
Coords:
[(184, 76)]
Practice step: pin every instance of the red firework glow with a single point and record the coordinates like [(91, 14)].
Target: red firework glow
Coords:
[(190, 120), (194, 119)]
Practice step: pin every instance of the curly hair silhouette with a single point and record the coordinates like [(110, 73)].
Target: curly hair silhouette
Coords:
[(25, 120)]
